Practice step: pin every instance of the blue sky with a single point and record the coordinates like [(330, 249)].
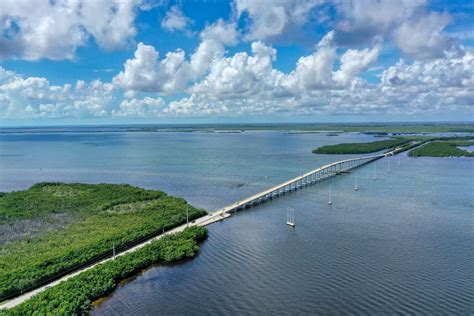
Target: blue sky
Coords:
[(145, 61)]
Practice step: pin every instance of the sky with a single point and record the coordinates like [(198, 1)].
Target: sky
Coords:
[(213, 61)]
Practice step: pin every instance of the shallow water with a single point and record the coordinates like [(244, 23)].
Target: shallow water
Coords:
[(401, 244)]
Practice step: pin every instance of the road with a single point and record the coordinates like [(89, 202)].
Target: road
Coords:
[(202, 221)]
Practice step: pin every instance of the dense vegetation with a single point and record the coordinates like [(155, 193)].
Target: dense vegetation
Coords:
[(442, 149), (104, 216), (361, 148), (432, 146), (75, 295)]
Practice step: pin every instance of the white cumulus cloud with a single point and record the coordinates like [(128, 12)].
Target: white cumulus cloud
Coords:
[(35, 97), (175, 20), (269, 18), (423, 37), (146, 107), (418, 32), (145, 72), (353, 62), (248, 84), (55, 29)]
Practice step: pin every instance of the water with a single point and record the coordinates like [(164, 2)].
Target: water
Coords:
[(401, 244), (468, 148)]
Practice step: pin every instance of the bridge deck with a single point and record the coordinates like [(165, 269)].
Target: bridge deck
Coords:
[(357, 162)]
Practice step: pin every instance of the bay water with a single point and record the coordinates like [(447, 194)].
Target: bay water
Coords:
[(403, 243)]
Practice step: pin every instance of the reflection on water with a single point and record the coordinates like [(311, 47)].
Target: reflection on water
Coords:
[(401, 244)]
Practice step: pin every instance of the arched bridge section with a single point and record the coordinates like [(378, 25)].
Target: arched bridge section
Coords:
[(307, 179)]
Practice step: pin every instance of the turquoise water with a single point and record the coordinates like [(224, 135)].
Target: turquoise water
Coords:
[(401, 244)]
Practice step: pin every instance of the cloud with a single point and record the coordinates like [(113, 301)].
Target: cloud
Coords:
[(140, 108), (361, 20), (214, 38), (447, 72), (423, 37), (436, 76), (35, 97), (268, 18), (315, 71), (443, 84), (55, 29), (175, 20), (145, 72), (109, 22), (248, 84), (353, 62), (418, 32), (240, 74), (253, 76)]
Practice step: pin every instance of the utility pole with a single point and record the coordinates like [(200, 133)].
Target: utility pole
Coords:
[(355, 186), (375, 170), (330, 202)]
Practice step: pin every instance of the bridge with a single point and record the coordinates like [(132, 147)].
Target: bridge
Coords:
[(307, 179)]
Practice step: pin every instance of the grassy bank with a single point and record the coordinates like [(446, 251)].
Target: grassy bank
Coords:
[(442, 149), (57, 227), (75, 295), (361, 148)]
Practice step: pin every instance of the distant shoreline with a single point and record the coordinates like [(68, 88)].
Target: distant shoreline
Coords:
[(426, 127)]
